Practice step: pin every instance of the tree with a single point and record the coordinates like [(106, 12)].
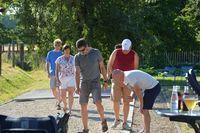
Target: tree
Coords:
[(154, 26)]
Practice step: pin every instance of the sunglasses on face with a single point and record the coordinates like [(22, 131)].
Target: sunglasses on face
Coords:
[(81, 50)]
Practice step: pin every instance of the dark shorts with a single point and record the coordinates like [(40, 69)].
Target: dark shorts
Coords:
[(150, 96), (87, 87)]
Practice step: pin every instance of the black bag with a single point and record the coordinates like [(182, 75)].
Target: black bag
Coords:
[(63, 122), (28, 125)]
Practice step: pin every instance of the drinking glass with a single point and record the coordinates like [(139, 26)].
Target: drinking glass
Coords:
[(191, 102)]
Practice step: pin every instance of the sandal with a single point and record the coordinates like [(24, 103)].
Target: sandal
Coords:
[(65, 110)]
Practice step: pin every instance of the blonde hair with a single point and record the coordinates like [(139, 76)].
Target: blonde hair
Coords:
[(56, 41)]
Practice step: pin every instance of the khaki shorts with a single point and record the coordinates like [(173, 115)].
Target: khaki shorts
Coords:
[(119, 92), (52, 82)]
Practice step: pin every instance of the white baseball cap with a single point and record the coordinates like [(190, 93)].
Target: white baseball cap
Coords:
[(126, 44)]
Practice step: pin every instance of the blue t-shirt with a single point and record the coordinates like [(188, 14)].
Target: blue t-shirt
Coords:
[(51, 58)]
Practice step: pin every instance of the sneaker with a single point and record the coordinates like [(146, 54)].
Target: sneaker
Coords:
[(115, 124), (104, 125), (84, 131), (58, 106), (125, 126), (69, 112), (141, 131)]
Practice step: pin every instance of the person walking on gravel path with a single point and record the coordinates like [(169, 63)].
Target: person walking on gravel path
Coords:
[(89, 64), (65, 76), (50, 67)]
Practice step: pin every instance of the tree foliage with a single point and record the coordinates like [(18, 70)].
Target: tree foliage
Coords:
[(154, 26)]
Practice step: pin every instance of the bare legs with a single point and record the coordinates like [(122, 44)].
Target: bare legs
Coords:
[(84, 113), (56, 93), (146, 120), (70, 91), (116, 108), (71, 98)]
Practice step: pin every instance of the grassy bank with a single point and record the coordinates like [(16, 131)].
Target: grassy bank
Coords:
[(15, 81)]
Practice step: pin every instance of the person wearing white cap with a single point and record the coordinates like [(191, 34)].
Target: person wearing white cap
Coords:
[(126, 45), (124, 59)]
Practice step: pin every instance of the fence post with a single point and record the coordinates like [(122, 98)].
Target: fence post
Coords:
[(3, 48), (13, 54), (22, 55), (9, 52), (0, 59)]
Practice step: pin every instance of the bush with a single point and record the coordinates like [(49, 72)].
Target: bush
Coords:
[(150, 70)]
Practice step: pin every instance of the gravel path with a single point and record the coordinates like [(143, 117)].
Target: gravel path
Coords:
[(46, 107)]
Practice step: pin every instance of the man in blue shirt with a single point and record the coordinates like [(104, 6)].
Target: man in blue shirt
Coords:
[(50, 66)]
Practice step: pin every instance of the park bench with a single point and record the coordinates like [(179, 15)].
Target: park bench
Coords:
[(48, 124)]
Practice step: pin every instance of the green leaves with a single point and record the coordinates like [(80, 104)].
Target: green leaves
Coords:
[(154, 26)]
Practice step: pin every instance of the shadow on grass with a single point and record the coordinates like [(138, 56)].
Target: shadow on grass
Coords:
[(10, 82)]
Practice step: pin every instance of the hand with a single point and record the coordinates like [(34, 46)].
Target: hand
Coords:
[(49, 76), (105, 85), (141, 109), (77, 91)]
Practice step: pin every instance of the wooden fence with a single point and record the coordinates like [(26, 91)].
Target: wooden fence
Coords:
[(182, 58), (163, 59)]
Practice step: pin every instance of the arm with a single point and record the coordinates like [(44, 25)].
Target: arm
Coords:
[(47, 67), (77, 79), (110, 63), (136, 61), (103, 72), (138, 93), (48, 64), (57, 72)]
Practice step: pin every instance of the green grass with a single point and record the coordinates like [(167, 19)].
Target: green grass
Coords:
[(15, 81), (170, 81)]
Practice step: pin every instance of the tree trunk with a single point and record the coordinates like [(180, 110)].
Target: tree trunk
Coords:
[(0, 59), (9, 52), (17, 48), (13, 55), (22, 55), (3, 50)]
